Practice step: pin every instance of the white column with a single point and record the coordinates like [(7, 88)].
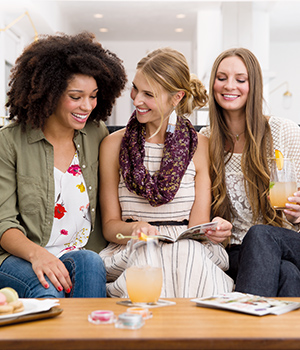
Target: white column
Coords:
[(247, 25), (208, 45)]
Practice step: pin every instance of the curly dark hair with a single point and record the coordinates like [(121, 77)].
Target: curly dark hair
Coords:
[(45, 68)]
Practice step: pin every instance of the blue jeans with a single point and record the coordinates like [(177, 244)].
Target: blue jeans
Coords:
[(86, 271), (269, 262)]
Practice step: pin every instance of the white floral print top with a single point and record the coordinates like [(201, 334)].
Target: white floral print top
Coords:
[(72, 223)]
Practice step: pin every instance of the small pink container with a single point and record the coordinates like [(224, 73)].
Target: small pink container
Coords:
[(102, 317)]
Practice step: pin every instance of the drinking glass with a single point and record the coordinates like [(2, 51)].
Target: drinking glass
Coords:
[(144, 272), (283, 181)]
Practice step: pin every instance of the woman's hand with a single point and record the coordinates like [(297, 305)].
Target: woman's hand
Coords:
[(292, 212), (45, 263), (147, 229), (222, 232)]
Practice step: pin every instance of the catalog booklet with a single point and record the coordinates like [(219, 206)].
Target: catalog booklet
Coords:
[(248, 303), (196, 232), (159, 303)]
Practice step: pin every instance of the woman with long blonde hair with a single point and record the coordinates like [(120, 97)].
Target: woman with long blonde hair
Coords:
[(241, 139), (154, 178)]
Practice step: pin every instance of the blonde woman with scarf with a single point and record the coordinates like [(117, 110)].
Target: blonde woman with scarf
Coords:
[(154, 178)]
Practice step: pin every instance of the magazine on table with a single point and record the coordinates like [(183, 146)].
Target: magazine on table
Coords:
[(159, 303), (248, 303), (196, 232)]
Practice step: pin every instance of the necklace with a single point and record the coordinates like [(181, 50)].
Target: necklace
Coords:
[(237, 136)]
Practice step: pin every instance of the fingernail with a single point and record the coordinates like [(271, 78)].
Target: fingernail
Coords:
[(46, 285), (68, 290), (59, 288)]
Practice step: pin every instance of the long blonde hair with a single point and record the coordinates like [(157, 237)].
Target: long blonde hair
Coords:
[(168, 68), (258, 145)]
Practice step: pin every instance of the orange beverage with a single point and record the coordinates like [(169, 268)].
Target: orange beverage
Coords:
[(144, 283), (279, 193), (283, 180)]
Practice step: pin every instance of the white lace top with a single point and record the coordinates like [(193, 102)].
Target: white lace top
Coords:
[(286, 138)]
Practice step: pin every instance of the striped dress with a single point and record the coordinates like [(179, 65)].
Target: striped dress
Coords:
[(190, 269)]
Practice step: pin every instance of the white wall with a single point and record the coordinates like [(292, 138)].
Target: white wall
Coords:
[(280, 63), (285, 62), (14, 39), (11, 45)]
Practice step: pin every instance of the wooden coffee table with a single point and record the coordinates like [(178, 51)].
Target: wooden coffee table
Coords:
[(181, 326)]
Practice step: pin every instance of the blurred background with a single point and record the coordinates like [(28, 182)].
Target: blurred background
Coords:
[(199, 29)]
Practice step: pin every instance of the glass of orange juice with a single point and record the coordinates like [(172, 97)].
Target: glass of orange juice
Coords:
[(283, 181), (144, 272)]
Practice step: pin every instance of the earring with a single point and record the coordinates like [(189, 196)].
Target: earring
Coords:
[(172, 122)]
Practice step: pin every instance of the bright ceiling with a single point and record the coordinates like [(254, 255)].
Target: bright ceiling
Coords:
[(141, 20)]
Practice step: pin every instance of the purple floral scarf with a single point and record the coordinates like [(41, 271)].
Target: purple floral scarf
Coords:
[(179, 148)]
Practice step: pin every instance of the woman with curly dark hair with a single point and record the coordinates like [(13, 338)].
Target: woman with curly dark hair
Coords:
[(62, 88)]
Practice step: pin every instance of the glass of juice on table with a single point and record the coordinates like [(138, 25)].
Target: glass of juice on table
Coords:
[(283, 181), (144, 272)]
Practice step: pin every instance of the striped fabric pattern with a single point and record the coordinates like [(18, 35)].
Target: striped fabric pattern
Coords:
[(190, 269)]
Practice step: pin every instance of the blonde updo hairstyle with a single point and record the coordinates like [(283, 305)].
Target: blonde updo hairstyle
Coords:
[(168, 68)]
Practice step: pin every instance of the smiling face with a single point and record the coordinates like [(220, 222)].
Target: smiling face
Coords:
[(150, 105), (76, 103), (231, 86)]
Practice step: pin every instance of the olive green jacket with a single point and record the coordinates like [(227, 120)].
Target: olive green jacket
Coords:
[(27, 181)]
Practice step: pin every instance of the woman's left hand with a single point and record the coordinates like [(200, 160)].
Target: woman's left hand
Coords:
[(222, 232), (292, 211)]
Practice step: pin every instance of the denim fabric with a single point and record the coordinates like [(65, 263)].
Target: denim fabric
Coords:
[(86, 271), (269, 262), (233, 252)]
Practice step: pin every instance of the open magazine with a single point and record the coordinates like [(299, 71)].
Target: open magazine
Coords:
[(248, 303), (196, 232)]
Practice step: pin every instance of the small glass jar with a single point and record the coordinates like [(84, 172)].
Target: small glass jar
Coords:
[(129, 321), (102, 317), (146, 314)]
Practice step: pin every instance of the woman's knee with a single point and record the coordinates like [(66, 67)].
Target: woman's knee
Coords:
[(258, 234), (87, 273), (51, 292), (85, 261)]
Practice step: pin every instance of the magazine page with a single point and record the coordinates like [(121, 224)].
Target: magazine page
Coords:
[(248, 303), (196, 232), (159, 303)]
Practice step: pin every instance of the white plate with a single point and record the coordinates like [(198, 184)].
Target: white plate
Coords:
[(32, 306)]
